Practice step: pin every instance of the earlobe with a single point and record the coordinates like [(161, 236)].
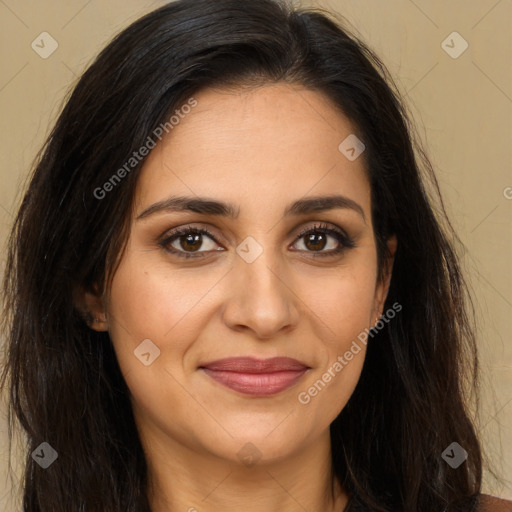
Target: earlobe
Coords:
[(383, 287), (392, 244), (92, 307), (96, 321)]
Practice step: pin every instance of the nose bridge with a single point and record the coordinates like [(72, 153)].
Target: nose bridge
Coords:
[(262, 299), (260, 270)]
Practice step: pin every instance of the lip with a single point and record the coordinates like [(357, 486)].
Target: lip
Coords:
[(256, 377)]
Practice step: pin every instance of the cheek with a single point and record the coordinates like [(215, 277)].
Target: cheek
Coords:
[(321, 399), (149, 302), (343, 304), (152, 300), (342, 300)]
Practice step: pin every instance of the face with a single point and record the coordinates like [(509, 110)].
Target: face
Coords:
[(272, 274)]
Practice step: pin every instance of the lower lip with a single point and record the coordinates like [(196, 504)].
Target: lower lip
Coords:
[(257, 384)]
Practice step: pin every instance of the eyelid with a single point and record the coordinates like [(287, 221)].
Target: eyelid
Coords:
[(321, 226), (183, 230), (346, 242), (175, 233), (334, 231)]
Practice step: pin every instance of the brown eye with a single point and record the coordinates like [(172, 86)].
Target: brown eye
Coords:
[(190, 242), (186, 242), (316, 239)]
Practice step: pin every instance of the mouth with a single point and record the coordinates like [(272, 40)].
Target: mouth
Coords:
[(256, 377)]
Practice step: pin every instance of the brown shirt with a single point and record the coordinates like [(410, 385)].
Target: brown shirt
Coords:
[(484, 503), (489, 503)]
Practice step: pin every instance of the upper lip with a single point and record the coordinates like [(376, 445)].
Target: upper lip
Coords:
[(255, 365)]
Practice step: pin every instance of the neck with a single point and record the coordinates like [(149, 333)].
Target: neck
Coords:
[(182, 478)]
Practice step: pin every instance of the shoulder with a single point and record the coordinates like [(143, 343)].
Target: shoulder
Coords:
[(487, 503)]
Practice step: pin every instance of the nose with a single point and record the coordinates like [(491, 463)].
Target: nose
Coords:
[(262, 298)]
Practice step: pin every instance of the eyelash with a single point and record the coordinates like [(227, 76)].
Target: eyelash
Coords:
[(345, 241)]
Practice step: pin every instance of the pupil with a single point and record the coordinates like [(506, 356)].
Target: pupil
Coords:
[(194, 241), (315, 241), (311, 238)]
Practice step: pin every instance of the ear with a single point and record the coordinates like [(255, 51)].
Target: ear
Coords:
[(382, 287), (92, 306)]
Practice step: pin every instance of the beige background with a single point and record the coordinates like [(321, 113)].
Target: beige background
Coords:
[(463, 108)]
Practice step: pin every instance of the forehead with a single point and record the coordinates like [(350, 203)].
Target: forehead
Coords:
[(271, 144)]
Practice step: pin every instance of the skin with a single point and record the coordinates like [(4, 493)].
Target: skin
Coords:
[(260, 149)]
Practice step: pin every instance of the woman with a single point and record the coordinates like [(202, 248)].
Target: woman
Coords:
[(227, 287)]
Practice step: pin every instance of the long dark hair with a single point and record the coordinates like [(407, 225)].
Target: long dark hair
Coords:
[(65, 386)]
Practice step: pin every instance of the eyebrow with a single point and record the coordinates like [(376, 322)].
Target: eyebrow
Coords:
[(208, 206)]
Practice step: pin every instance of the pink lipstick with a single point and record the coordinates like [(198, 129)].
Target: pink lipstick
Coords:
[(256, 377)]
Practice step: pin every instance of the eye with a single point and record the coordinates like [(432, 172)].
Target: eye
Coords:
[(315, 239), (185, 242)]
